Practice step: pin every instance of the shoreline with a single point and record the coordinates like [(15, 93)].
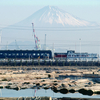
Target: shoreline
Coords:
[(47, 78), (45, 98)]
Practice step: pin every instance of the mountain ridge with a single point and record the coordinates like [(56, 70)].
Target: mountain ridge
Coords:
[(53, 16)]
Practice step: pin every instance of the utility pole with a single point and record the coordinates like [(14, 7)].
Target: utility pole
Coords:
[(80, 49), (7, 46), (0, 37), (45, 43), (53, 52), (17, 45)]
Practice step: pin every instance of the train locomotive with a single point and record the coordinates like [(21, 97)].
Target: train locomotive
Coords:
[(71, 55)]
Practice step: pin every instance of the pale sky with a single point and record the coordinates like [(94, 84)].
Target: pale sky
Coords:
[(13, 11), (50, 2)]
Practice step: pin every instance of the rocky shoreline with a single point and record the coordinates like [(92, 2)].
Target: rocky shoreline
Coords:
[(51, 79)]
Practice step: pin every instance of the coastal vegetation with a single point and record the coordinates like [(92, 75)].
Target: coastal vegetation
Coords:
[(48, 63)]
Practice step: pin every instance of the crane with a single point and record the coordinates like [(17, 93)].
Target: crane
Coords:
[(17, 45), (37, 41)]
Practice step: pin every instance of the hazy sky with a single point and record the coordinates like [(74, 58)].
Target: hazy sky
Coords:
[(13, 11), (50, 2)]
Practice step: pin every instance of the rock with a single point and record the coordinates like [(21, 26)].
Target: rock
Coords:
[(55, 89), (8, 87), (72, 91), (63, 91), (16, 88), (86, 92), (64, 85), (1, 87)]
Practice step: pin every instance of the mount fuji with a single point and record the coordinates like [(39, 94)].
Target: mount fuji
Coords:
[(53, 16)]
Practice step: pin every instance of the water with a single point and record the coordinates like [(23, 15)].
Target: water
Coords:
[(41, 93)]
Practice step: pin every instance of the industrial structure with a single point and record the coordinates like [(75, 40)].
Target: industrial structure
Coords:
[(37, 41), (70, 55)]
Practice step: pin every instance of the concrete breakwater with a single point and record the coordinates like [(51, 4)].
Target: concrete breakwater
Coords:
[(37, 79)]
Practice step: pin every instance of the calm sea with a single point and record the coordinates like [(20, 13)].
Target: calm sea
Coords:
[(41, 93)]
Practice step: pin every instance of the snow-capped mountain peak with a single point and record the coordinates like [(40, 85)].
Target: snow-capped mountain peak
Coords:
[(53, 16)]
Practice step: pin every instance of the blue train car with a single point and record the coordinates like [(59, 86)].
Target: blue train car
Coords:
[(25, 54)]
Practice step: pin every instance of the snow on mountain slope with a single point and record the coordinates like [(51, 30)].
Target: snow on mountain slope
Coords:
[(53, 16)]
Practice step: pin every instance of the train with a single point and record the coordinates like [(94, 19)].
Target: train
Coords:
[(25, 54), (70, 55)]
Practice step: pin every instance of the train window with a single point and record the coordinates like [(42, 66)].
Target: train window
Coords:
[(33, 54), (29, 54), (13, 54), (0, 53), (17, 54), (42, 54), (25, 54), (38, 54), (9, 54), (48, 55), (69, 55), (78, 55), (20, 54), (5, 54)]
